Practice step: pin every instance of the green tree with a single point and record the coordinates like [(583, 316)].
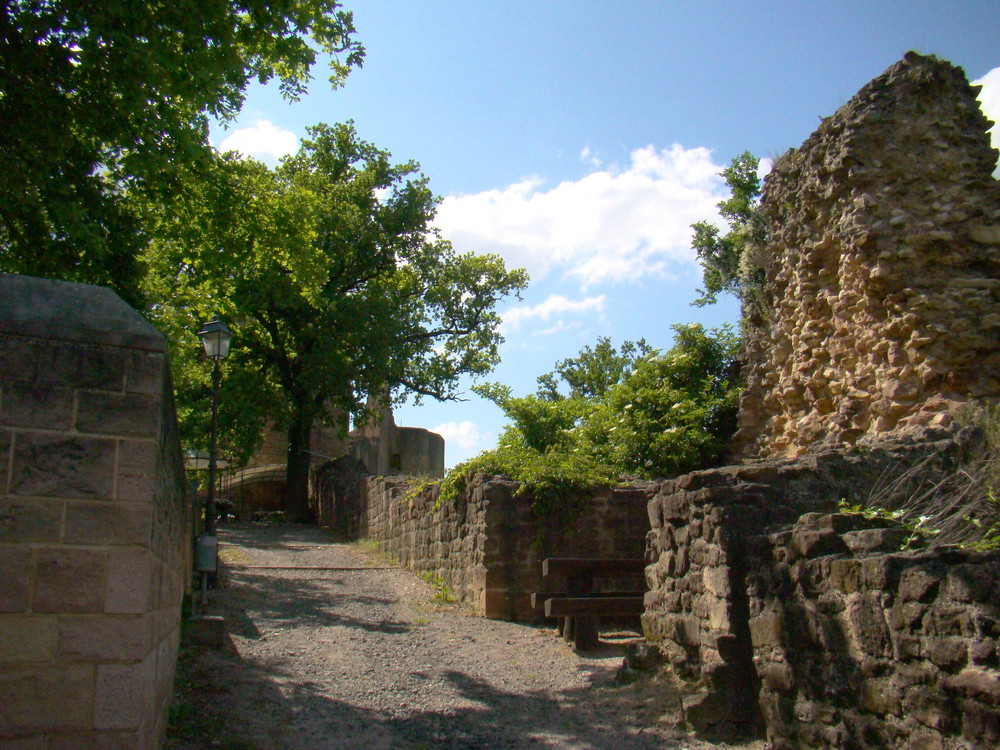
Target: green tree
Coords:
[(335, 288), (594, 370), (101, 98), (675, 412), (627, 411), (728, 261)]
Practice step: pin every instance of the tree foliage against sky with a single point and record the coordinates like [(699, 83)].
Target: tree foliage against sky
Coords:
[(611, 412), (728, 260), (333, 284), (100, 98)]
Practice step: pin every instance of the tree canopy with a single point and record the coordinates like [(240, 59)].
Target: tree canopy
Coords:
[(728, 260), (101, 98), (334, 286), (628, 411)]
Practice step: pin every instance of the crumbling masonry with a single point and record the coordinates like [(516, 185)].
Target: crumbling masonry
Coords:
[(882, 319)]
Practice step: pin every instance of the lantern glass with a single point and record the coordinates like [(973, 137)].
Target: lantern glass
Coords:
[(215, 337)]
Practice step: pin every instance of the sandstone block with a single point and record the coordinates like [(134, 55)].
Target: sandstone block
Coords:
[(27, 638), (879, 697), (907, 616), (137, 463), (845, 575), (868, 626), (947, 653), (30, 521), (716, 581), (124, 414), (976, 683), (62, 466), (767, 630), (39, 699), (108, 523), (15, 562), (36, 406), (145, 373), (778, 677), (68, 580), (80, 365), (809, 543), (931, 708), (970, 583), (986, 234), (122, 694), (104, 638), (981, 724)]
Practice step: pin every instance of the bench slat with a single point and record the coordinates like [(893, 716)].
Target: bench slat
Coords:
[(538, 598), (566, 566), (610, 606)]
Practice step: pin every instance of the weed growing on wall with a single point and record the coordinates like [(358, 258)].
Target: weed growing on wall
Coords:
[(961, 507)]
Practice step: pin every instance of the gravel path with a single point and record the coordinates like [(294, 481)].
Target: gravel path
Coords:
[(333, 648)]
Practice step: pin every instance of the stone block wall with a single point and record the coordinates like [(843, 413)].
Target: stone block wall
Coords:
[(94, 523), (781, 616), (859, 646), (488, 546), (882, 272)]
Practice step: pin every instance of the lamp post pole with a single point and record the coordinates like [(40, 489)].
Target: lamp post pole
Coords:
[(210, 511), (215, 336)]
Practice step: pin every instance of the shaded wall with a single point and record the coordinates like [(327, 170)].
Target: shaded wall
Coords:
[(487, 546), (94, 524), (781, 616)]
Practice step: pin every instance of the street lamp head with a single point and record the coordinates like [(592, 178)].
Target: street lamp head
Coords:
[(215, 336)]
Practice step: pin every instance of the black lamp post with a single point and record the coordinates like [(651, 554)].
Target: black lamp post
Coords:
[(215, 336)]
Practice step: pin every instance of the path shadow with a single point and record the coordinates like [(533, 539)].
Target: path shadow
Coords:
[(300, 601), (298, 715)]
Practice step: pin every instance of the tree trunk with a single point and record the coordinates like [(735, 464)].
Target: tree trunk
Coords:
[(296, 505)]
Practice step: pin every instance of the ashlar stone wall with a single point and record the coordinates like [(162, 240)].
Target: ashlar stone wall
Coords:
[(883, 270), (487, 547), (94, 524)]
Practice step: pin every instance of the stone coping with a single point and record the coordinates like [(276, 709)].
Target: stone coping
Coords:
[(67, 311)]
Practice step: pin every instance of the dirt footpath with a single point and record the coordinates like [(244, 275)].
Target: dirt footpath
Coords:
[(330, 647)]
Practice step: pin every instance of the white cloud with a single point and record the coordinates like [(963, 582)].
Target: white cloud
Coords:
[(555, 304), (589, 158), (989, 100), (263, 139), (615, 224), (465, 435)]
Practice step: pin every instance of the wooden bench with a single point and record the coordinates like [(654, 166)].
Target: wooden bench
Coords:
[(578, 603)]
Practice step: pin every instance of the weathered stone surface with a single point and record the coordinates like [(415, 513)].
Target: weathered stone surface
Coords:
[(880, 271), (107, 523), (94, 528), (838, 644), (41, 407), (49, 698), (124, 414), (54, 465), (68, 580), (488, 546), (27, 639), (35, 521), (104, 639)]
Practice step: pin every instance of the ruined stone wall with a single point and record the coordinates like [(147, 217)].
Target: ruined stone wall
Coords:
[(95, 528), (487, 546), (882, 292), (858, 645), (781, 616)]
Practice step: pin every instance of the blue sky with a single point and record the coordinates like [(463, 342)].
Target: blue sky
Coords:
[(581, 139)]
